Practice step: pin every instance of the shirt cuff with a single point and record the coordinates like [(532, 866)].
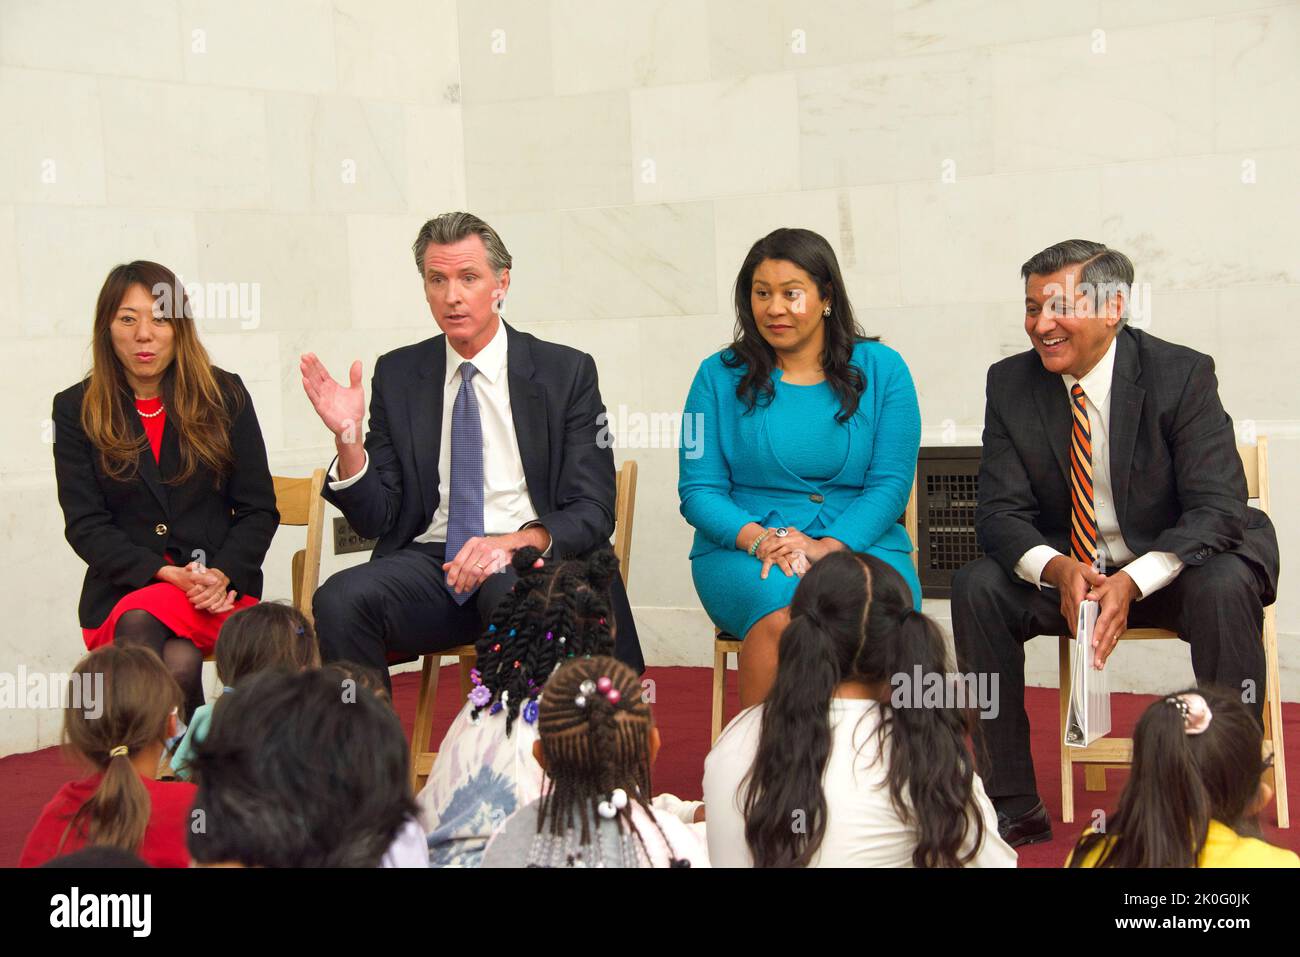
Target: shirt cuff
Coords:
[(1031, 564), (1153, 571), (550, 539), (339, 485)]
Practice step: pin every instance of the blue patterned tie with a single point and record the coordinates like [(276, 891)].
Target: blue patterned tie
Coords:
[(465, 502)]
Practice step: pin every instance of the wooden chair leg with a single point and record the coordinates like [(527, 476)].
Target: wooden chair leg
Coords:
[(421, 756), (1067, 766), (467, 663), (1273, 718), (719, 691)]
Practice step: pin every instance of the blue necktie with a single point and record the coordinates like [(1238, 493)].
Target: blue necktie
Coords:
[(465, 502)]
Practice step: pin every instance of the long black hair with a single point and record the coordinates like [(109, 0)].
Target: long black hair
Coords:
[(852, 618), (1179, 782), (558, 609), (814, 255)]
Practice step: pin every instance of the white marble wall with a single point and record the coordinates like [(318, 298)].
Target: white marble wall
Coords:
[(629, 152)]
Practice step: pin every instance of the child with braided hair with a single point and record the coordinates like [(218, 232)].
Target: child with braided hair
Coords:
[(597, 744), (485, 771)]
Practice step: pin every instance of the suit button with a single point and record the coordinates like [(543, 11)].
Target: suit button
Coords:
[(816, 497), (160, 529)]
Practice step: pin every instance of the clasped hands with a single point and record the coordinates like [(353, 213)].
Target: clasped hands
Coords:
[(485, 555), (1114, 594), (794, 552), (206, 588)]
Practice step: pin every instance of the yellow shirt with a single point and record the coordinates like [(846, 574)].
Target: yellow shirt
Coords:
[(1224, 847)]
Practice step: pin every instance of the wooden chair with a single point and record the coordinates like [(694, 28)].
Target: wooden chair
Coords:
[(725, 644), (1118, 752), (299, 503), (421, 757)]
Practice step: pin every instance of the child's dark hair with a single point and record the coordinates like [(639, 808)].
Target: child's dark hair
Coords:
[(1179, 782), (594, 726), (269, 634), (136, 697), (852, 618), (363, 677), (557, 610), (297, 772)]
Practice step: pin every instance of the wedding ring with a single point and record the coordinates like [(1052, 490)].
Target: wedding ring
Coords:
[(478, 565)]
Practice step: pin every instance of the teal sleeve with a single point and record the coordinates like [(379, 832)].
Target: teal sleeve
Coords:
[(194, 734), (704, 484), (893, 462)]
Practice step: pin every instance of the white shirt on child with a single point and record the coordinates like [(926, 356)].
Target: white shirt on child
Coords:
[(863, 828)]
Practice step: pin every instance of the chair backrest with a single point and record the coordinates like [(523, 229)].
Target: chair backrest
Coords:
[(1254, 460), (624, 509), (299, 502)]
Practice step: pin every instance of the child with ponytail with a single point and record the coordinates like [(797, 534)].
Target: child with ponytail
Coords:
[(1193, 793), (485, 770), (828, 772), (598, 743), (120, 735)]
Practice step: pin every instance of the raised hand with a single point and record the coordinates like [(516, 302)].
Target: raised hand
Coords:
[(340, 407)]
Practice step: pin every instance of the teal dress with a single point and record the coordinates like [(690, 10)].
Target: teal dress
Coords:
[(791, 463)]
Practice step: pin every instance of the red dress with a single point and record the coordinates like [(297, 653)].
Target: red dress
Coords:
[(164, 837), (164, 601)]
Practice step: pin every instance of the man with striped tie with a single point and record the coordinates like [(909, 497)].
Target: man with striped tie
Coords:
[(1109, 473)]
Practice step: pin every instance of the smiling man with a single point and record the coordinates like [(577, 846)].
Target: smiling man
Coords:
[(1109, 473), (482, 441)]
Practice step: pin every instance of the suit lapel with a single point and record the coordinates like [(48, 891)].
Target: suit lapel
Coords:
[(426, 421), (1126, 398), (528, 411), (1054, 409)]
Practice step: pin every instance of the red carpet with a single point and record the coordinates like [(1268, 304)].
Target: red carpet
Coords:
[(681, 698)]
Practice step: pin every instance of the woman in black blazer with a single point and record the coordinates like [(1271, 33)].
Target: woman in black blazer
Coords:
[(163, 479)]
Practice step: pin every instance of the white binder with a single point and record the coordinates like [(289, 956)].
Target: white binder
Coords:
[(1088, 717)]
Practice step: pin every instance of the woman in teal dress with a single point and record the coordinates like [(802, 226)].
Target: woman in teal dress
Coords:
[(807, 441)]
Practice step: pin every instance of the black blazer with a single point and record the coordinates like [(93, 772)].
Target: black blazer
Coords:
[(1176, 478), (122, 528), (555, 404)]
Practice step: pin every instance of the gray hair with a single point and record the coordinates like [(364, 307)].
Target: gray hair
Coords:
[(1104, 269), (451, 228)]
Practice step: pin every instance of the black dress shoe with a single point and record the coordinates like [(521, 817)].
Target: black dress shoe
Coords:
[(1032, 827)]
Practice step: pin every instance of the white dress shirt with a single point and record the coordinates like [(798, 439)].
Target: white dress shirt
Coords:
[(506, 505), (863, 828), (1152, 571)]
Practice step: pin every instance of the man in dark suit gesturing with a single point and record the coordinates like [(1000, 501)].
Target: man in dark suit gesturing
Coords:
[(1109, 473), (482, 441)]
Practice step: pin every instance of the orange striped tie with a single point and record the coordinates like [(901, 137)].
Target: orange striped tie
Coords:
[(1083, 519)]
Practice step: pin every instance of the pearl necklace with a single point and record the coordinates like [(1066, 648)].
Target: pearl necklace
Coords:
[(149, 415)]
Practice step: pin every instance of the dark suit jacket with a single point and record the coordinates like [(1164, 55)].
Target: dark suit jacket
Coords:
[(554, 401), (114, 525), (1176, 478)]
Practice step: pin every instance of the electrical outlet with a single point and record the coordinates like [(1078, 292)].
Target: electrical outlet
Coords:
[(346, 539)]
